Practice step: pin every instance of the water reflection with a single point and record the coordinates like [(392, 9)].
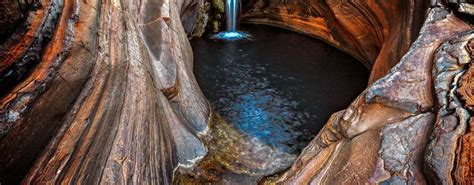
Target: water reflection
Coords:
[(256, 108)]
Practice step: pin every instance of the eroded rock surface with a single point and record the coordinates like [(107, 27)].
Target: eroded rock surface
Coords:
[(112, 97), (103, 92), (400, 108)]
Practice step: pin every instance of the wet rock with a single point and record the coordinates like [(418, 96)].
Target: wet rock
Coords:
[(233, 158)]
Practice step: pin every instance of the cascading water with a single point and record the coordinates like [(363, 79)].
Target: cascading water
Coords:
[(232, 11)]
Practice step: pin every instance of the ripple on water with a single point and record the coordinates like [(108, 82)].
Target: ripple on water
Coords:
[(278, 88)]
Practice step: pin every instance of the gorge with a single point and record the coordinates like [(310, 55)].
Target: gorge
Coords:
[(95, 92)]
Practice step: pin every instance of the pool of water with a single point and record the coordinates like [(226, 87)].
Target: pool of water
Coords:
[(280, 87)]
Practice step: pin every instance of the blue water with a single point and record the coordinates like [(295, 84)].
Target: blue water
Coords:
[(280, 87), (232, 36), (231, 33)]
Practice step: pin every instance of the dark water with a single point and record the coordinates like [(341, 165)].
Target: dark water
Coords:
[(281, 87)]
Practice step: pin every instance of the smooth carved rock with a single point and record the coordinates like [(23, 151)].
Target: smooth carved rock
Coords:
[(408, 84), (158, 43), (378, 33)]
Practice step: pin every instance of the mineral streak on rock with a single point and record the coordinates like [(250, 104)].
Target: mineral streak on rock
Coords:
[(26, 128), (450, 61), (23, 50), (464, 172), (94, 108)]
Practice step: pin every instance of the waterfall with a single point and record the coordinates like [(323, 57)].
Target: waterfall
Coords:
[(232, 11), (231, 33)]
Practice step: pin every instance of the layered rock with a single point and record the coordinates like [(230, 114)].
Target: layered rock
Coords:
[(112, 97), (103, 92)]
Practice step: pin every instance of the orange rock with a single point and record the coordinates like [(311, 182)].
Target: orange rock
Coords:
[(464, 173)]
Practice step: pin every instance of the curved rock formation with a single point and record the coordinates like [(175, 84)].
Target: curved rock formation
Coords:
[(395, 119), (378, 33), (112, 97), (103, 92)]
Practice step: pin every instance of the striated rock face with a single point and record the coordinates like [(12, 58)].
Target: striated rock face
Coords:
[(452, 121), (110, 96), (103, 92)]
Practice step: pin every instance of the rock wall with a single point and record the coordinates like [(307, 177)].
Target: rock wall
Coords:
[(378, 33), (110, 96), (408, 127), (12, 14)]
